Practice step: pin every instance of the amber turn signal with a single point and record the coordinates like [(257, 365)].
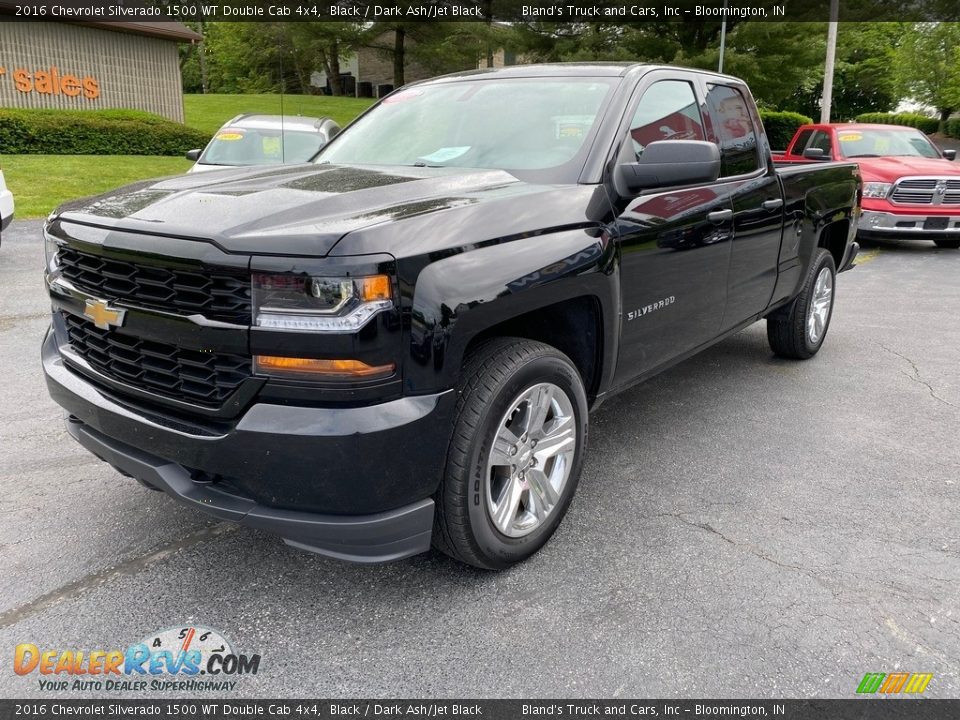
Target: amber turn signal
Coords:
[(330, 369), (376, 287)]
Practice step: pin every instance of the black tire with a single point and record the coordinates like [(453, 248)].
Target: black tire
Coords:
[(948, 243), (494, 375), (787, 327)]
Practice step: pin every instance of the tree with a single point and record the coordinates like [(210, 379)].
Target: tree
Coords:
[(267, 56), (661, 42), (437, 47), (863, 79), (928, 66), (774, 58)]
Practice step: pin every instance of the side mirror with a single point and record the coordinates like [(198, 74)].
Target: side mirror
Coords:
[(669, 163), (950, 154), (193, 155), (814, 154)]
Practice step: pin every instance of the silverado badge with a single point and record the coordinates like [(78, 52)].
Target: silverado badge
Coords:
[(103, 316)]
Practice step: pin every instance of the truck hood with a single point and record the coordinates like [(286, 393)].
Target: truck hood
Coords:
[(299, 210), (889, 169)]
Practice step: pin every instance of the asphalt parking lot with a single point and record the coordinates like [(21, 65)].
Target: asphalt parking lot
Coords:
[(745, 527)]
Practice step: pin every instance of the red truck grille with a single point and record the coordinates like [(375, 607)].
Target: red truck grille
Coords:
[(215, 295), (200, 378), (927, 191)]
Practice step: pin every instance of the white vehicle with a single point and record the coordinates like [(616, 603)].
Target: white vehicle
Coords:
[(6, 204), (264, 140)]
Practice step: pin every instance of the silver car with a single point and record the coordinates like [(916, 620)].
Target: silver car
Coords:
[(6, 204), (264, 140)]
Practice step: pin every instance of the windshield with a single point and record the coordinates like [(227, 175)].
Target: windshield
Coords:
[(245, 146), (540, 126), (885, 143)]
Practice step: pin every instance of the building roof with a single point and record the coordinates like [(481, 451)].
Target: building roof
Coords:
[(166, 30)]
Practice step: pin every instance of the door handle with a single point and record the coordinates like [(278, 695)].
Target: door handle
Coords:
[(720, 216), (772, 204)]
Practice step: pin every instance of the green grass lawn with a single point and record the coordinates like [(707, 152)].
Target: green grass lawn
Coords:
[(209, 112), (41, 182)]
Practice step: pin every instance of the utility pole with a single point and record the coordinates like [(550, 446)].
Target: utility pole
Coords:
[(831, 59), (723, 37)]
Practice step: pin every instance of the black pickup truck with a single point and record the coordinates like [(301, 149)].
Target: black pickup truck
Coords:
[(399, 342)]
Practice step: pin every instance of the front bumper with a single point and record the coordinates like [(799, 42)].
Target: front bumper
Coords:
[(350, 483), (876, 222)]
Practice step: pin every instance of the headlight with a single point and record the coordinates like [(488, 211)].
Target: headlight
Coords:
[(319, 304), (876, 189), (50, 249)]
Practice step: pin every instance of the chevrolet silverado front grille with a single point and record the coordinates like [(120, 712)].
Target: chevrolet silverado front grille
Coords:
[(927, 191), (200, 378), (215, 295)]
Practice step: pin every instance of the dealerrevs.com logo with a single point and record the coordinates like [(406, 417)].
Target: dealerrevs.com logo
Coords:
[(191, 659)]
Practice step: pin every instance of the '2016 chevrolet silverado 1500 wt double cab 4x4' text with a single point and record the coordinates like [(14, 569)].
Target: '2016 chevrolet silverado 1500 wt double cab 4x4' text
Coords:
[(400, 341)]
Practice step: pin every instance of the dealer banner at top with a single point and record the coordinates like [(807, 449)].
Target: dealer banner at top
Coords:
[(489, 11)]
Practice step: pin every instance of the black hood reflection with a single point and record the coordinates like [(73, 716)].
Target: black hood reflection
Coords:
[(289, 210)]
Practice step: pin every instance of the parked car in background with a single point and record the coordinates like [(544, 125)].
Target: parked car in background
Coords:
[(6, 205), (264, 140), (911, 188)]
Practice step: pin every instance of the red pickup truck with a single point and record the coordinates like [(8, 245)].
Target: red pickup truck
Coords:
[(911, 189)]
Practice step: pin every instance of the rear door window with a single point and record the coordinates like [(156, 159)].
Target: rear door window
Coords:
[(736, 134)]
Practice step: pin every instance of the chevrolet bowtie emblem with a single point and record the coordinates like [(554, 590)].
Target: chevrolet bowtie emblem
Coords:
[(103, 316)]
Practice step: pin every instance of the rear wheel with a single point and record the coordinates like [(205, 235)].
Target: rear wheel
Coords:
[(798, 330), (948, 243), (516, 453)]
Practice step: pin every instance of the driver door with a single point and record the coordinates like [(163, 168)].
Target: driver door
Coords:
[(674, 243)]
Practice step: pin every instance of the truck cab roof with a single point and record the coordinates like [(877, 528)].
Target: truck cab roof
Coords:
[(572, 69)]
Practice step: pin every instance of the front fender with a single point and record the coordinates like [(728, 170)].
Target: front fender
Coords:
[(460, 296)]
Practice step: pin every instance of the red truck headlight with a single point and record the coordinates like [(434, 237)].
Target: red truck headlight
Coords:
[(876, 189)]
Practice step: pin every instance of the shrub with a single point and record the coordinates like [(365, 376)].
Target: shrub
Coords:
[(914, 120), (952, 127), (782, 126), (94, 132)]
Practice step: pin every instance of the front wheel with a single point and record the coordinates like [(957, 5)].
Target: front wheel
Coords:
[(797, 331), (515, 456), (948, 243)]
